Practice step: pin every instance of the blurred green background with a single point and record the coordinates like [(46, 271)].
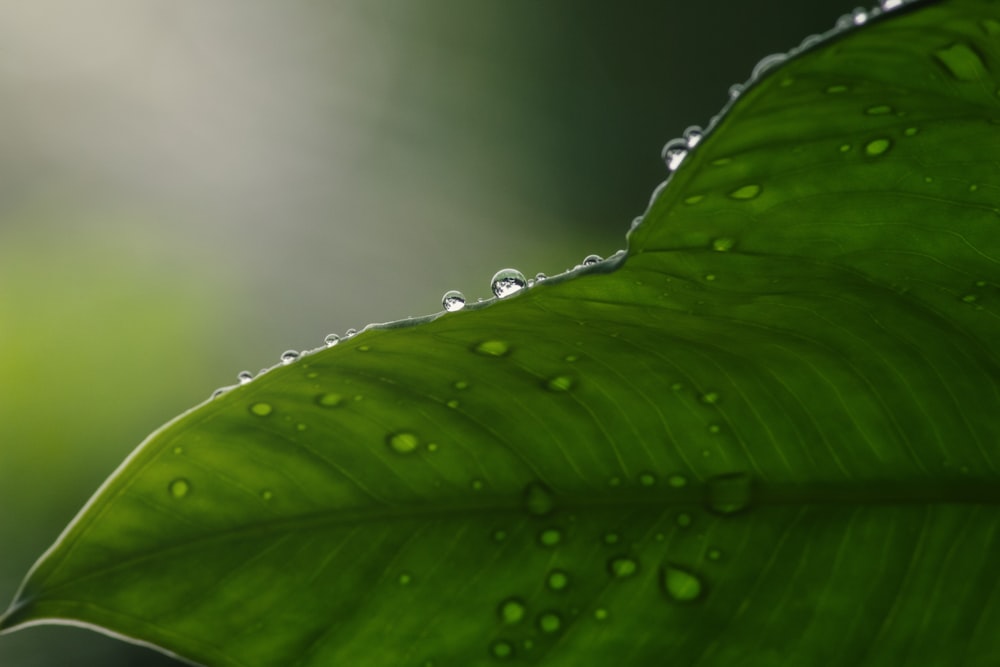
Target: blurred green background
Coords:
[(189, 188)]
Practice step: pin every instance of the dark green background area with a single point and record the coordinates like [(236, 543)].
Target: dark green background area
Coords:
[(504, 133)]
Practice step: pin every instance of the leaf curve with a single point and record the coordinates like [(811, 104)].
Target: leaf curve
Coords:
[(765, 437)]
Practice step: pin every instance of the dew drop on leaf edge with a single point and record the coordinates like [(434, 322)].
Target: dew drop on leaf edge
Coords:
[(507, 282), (453, 301), (331, 340)]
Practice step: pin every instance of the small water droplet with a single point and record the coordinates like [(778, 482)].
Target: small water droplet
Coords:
[(244, 376), (460, 385), (674, 153), (680, 584), (970, 298), (714, 428), (550, 537), (507, 282), (710, 397), (180, 487), (877, 147), (724, 244), (549, 622), (729, 493), (557, 580), (511, 611), (714, 554), (746, 192), (492, 348), (767, 63), (570, 358), (910, 131), (502, 649), (350, 333), (453, 403), (889, 5), (528, 644), (684, 519), (559, 383), (962, 62), (403, 442), (288, 356), (267, 495), (647, 479), (878, 110), (405, 579), (364, 348), (611, 538), (331, 340), (477, 485), (980, 283), (735, 90), (591, 260), (835, 89), (693, 136), (538, 499), (601, 614), (329, 400), (261, 409), (539, 277), (693, 199), (844, 148), (499, 535), (453, 300), (859, 16), (615, 482), (432, 447), (623, 567), (178, 450), (677, 481)]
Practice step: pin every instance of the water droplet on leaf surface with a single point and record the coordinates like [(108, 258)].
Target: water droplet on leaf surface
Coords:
[(680, 584), (549, 622), (180, 487), (622, 567), (724, 244), (492, 348), (538, 499), (261, 409), (403, 442), (453, 300), (557, 580), (502, 649), (329, 400), (746, 192), (877, 147), (677, 481), (511, 611), (559, 383), (507, 282), (550, 537)]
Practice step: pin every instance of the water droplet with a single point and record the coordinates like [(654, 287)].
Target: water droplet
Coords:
[(969, 298), (623, 567), (364, 348), (693, 136), (453, 300), (835, 89), (611, 538), (557, 580), (845, 148), (405, 579), (550, 537), (601, 614), (288, 356), (746, 192), (460, 385), (677, 481), (261, 409), (683, 519), (329, 400), (502, 649), (591, 260), (570, 358), (878, 110), (877, 147), (647, 479), (331, 340), (492, 348), (538, 499), (549, 622), (453, 403), (539, 277), (403, 442), (693, 199), (889, 5), (511, 611), (350, 333), (767, 63), (859, 16), (724, 244), (432, 447), (180, 487), (680, 584), (559, 383), (674, 153), (499, 535), (729, 493), (714, 428), (735, 90), (714, 554), (615, 482), (911, 131), (962, 62), (710, 397), (980, 283), (267, 495), (477, 485), (178, 450), (244, 376), (710, 277), (507, 282)]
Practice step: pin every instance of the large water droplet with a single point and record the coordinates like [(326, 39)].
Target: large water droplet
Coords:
[(288, 356), (244, 376), (729, 493), (877, 147), (680, 584), (403, 442), (557, 580), (261, 409), (549, 622), (453, 300), (674, 153), (492, 348), (538, 499), (511, 611), (623, 567), (179, 488), (507, 282), (962, 62)]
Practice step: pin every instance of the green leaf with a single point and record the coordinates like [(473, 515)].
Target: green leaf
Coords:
[(767, 437)]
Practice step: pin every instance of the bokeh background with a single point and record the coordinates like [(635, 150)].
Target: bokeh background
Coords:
[(188, 188)]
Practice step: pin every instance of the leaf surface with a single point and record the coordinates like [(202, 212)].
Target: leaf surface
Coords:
[(769, 436)]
